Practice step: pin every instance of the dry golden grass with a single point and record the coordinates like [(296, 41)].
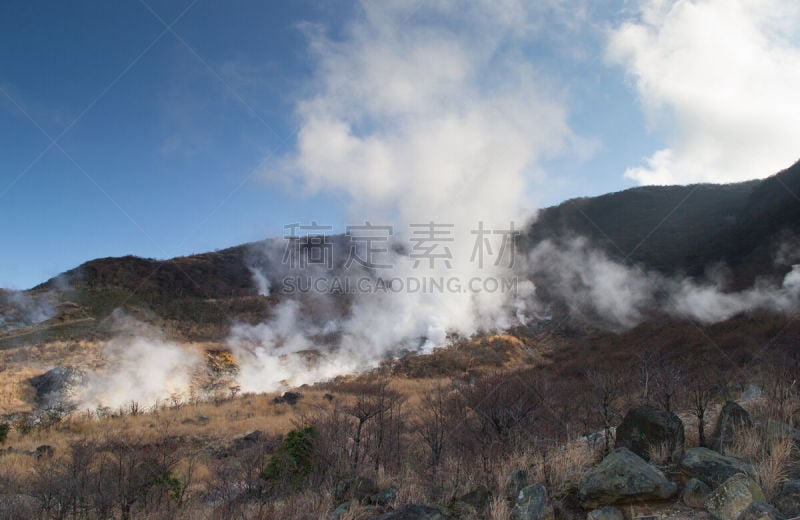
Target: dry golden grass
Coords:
[(16, 394), (413, 491), (16, 466), (771, 456), (660, 454), (466, 356), (413, 389), (22, 363), (499, 509), (564, 466), (213, 423)]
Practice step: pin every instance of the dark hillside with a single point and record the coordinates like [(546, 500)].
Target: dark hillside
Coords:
[(686, 229)]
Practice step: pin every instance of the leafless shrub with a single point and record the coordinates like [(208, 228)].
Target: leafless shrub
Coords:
[(606, 389)]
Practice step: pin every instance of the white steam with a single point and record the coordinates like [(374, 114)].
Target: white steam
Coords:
[(707, 304), (597, 289), (20, 309), (260, 281), (593, 286), (420, 112), (141, 367), (282, 353)]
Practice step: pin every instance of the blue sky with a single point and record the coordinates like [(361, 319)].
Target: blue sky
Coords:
[(179, 140)]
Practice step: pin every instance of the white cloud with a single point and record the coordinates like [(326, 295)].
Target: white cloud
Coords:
[(411, 113), (722, 79)]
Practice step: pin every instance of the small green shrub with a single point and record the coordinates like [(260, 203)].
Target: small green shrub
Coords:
[(293, 461), (4, 427), (173, 484), (24, 423)]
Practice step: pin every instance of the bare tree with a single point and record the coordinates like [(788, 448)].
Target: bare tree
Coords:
[(606, 388), (667, 382), (701, 395), (781, 385), (388, 423), (141, 472), (433, 423), (502, 411), (645, 364), (366, 406)]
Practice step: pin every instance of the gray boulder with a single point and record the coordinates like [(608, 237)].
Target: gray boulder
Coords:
[(515, 481), (751, 391), (385, 497), (341, 510), (45, 451), (711, 467), (478, 499), (778, 430), (358, 488), (646, 427), (605, 513), (55, 387), (289, 398), (731, 418), (760, 511), (533, 504), (250, 440), (733, 497), (695, 493), (621, 477), (348, 508), (787, 498), (413, 512)]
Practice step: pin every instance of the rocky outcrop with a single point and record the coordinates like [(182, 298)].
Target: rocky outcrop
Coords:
[(731, 418), (787, 498), (623, 476), (413, 512), (533, 504), (695, 493), (385, 497), (55, 387), (358, 488), (778, 430), (341, 510), (45, 451), (645, 428), (711, 467), (751, 391), (250, 440), (515, 481), (605, 513), (733, 497), (760, 511), (289, 398), (348, 509), (472, 503)]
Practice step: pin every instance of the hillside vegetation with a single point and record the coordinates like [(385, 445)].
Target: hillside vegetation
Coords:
[(520, 423)]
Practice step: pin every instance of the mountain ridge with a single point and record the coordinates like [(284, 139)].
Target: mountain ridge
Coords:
[(684, 230)]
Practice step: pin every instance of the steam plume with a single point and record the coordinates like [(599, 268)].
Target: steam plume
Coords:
[(414, 119)]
